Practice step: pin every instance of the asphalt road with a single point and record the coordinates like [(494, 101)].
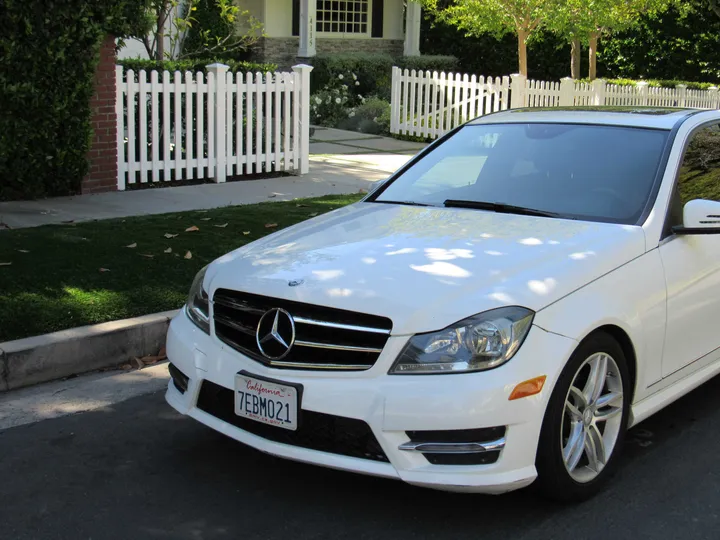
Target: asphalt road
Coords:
[(138, 470)]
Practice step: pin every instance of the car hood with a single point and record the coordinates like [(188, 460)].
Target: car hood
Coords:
[(423, 267)]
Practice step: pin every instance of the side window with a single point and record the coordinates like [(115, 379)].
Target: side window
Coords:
[(699, 175), (700, 170)]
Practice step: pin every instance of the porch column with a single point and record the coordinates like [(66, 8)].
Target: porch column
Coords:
[(412, 29), (307, 28)]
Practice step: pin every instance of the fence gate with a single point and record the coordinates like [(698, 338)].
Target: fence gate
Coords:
[(189, 126)]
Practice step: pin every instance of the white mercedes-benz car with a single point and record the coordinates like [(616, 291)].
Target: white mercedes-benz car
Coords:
[(498, 312)]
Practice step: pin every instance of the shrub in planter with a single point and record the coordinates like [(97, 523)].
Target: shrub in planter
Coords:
[(373, 116), (330, 107)]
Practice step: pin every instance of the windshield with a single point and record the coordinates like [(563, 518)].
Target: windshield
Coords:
[(578, 171)]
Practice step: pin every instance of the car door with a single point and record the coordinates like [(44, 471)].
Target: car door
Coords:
[(692, 262)]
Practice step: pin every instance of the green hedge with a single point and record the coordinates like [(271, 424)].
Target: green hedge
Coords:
[(662, 83), (136, 64), (437, 62), (48, 56)]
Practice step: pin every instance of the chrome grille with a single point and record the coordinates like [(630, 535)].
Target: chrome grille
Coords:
[(325, 338)]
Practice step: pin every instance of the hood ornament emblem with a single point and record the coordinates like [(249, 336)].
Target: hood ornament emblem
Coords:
[(275, 334)]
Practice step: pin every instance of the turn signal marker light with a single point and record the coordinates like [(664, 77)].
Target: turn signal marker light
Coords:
[(527, 388)]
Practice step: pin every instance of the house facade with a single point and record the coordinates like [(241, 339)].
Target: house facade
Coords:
[(297, 30)]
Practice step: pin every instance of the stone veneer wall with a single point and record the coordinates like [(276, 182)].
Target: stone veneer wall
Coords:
[(283, 51)]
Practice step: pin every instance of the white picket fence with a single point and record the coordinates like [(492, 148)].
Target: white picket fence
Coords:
[(429, 104), (186, 126)]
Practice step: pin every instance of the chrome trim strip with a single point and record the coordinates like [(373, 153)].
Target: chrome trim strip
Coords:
[(232, 324), (339, 326), (238, 306), (334, 347), (453, 448), (338, 367)]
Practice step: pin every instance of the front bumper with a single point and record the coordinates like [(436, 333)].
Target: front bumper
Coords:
[(392, 405)]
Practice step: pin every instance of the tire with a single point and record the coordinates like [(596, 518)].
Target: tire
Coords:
[(560, 428)]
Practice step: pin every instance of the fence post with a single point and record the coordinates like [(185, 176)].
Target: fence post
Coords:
[(642, 87), (518, 87), (120, 113), (713, 92), (304, 143), (220, 135), (682, 94), (394, 100), (567, 92), (598, 90)]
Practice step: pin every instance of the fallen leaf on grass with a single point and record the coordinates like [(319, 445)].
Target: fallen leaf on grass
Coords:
[(148, 255), (302, 205), (188, 255), (24, 250), (246, 233), (361, 190), (133, 245), (168, 235), (5, 264), (314, 214), (104, 269), (191, 229), (168, 250), (221, 226), (126, 367), (205, 218), (270, 225)]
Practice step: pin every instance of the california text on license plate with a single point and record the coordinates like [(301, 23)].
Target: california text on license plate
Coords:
[(269, 402)]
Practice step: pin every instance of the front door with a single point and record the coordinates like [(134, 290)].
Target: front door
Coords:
[(692, 262)]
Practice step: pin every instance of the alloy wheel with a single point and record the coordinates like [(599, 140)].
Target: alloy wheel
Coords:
[(592, 417)]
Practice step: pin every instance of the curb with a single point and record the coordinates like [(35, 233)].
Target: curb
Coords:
[(38, 359)]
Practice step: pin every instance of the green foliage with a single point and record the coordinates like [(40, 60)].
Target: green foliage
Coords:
[(489, 56), (195, 64), (373, 71), (373, 116), (208, 22), (437, 62), (681, 43), (330, 106), (48, 57)]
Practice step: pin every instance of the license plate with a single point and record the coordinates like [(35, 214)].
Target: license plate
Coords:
[(271, 402)]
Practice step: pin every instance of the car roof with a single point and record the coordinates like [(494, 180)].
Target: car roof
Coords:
[(647, 117)]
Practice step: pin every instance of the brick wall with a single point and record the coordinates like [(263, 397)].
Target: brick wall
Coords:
[(102, 156), (283, 51)]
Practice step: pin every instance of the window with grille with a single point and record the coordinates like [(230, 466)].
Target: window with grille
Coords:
[(337, 16)]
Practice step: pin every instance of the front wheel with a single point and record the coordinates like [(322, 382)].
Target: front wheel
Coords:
[(585, 422)]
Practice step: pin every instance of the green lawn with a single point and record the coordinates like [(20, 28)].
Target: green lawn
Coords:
[(55, 279)]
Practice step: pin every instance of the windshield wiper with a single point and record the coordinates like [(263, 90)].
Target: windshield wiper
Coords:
[(406, 203), (501, 208)]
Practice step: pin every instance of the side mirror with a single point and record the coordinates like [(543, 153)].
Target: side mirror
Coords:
[(700, 217)]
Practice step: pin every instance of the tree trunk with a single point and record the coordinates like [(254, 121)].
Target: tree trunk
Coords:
[(160, 38), (522, 52), (592, 73), (575, 51)]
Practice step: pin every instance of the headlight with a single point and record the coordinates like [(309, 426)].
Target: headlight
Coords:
[(480, 342), (198, 303)]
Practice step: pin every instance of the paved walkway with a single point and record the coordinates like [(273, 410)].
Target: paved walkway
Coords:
[(340, 162)]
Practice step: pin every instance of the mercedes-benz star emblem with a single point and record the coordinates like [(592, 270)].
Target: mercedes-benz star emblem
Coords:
[(275, 333)]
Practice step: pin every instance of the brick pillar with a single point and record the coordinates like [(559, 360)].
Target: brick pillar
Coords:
[(102, 156)]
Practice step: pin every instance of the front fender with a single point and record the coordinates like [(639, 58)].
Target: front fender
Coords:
[(632, 298)]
